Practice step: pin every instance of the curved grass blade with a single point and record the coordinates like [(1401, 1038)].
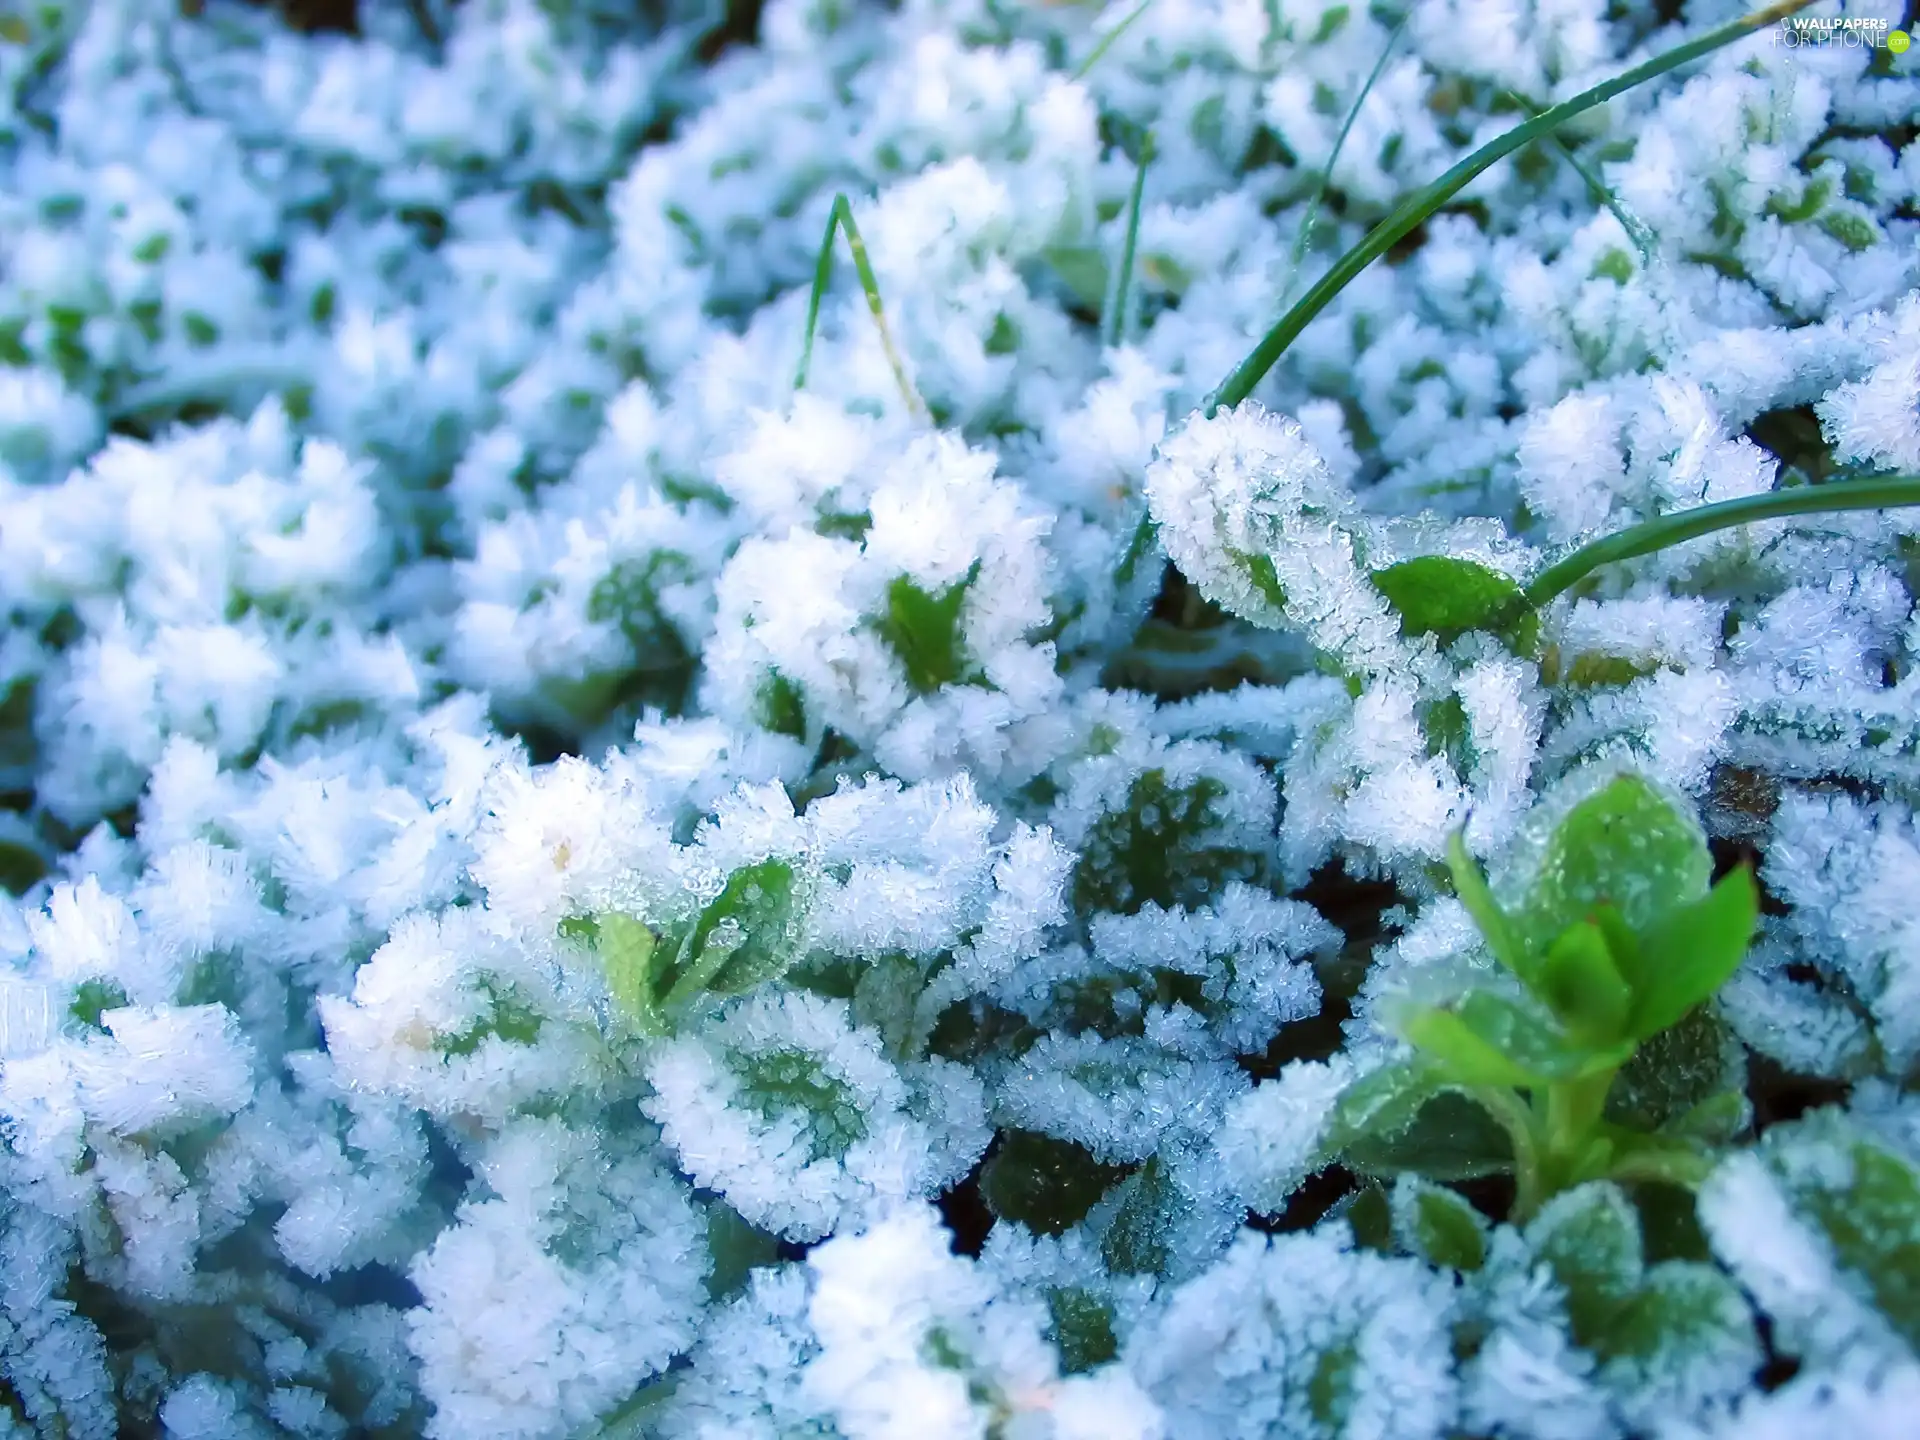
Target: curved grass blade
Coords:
[(1113, 324), (1880, 493), (1638, 231), (1107, 40), (1307, 221), (841, 217), (1422, 203)]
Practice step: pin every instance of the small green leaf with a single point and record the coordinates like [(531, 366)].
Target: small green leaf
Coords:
[(1628, 847), (1590, 1238), (1383, 1103), (924, 630), (1578, 981), (1444, 596), (1692, 951), (1486, 1039), (1474, 892), (1718, 1120), (1681, 1314), (1451, 1137), (1045, 1184), (780, 707), (750, 933), (1439, 1226), (1082, 1328), (626, 949)]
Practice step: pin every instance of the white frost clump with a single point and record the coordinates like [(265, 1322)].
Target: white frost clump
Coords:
[(561, 881), (554, 1299), (800, 1122)]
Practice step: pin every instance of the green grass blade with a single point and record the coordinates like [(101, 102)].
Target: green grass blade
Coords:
[(1638, 231), (1307, 221), (1407, 215), (1113, 324), (841, 217), (1880, 493), (1106, 40)]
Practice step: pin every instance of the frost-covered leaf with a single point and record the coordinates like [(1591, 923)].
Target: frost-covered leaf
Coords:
[(1450, 1137), (1589, 1238), (1681, 1317), (1444, 596), (1048, 1185), (924, 630), (750, 932), (1438, 1225), (1628, 848)]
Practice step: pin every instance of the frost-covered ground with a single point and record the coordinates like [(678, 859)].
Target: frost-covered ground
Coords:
[(541, 853)]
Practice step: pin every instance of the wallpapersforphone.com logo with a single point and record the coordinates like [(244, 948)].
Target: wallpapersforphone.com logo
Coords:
[(1852, 34)]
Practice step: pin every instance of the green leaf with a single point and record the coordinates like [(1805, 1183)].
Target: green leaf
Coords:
[(1718, 1120), (1438, 1225), (1692, 951), (1590, 1238), (1440, 595), (1383, 1103), (627, 949), (1453, 1136), (1682, 1314), (1869, 1207), (750, 933), (737, 1249), (1486, 1039), (924, 630), (1660, 1159), (1045, 1184), (1136, 1240), (1578, 981), (794, 1083), (1627, 847), (1081, 1329), (1474, 892)]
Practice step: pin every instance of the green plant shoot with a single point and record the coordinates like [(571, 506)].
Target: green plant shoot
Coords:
[(1618, 939), (841, 217)]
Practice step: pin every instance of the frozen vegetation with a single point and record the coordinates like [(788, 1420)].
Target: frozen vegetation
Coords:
[(563, 884)]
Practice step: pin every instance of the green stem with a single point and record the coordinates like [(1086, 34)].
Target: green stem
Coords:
[(1637, 230), (1106, 40), (1878, 493), (1113, 325), (841, 217), (1417, 207), (1326, 173)]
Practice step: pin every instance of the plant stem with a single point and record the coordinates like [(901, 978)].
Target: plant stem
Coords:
[(1339, 143), (1422, 203), (1113, 325), (1878, 493), (1106, 40), (841, 217)]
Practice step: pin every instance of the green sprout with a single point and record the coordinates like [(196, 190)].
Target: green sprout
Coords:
[(841, 217), (746, 935), (1619, 939)]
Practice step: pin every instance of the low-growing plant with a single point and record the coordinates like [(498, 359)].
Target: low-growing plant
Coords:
[(1616, 939)]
